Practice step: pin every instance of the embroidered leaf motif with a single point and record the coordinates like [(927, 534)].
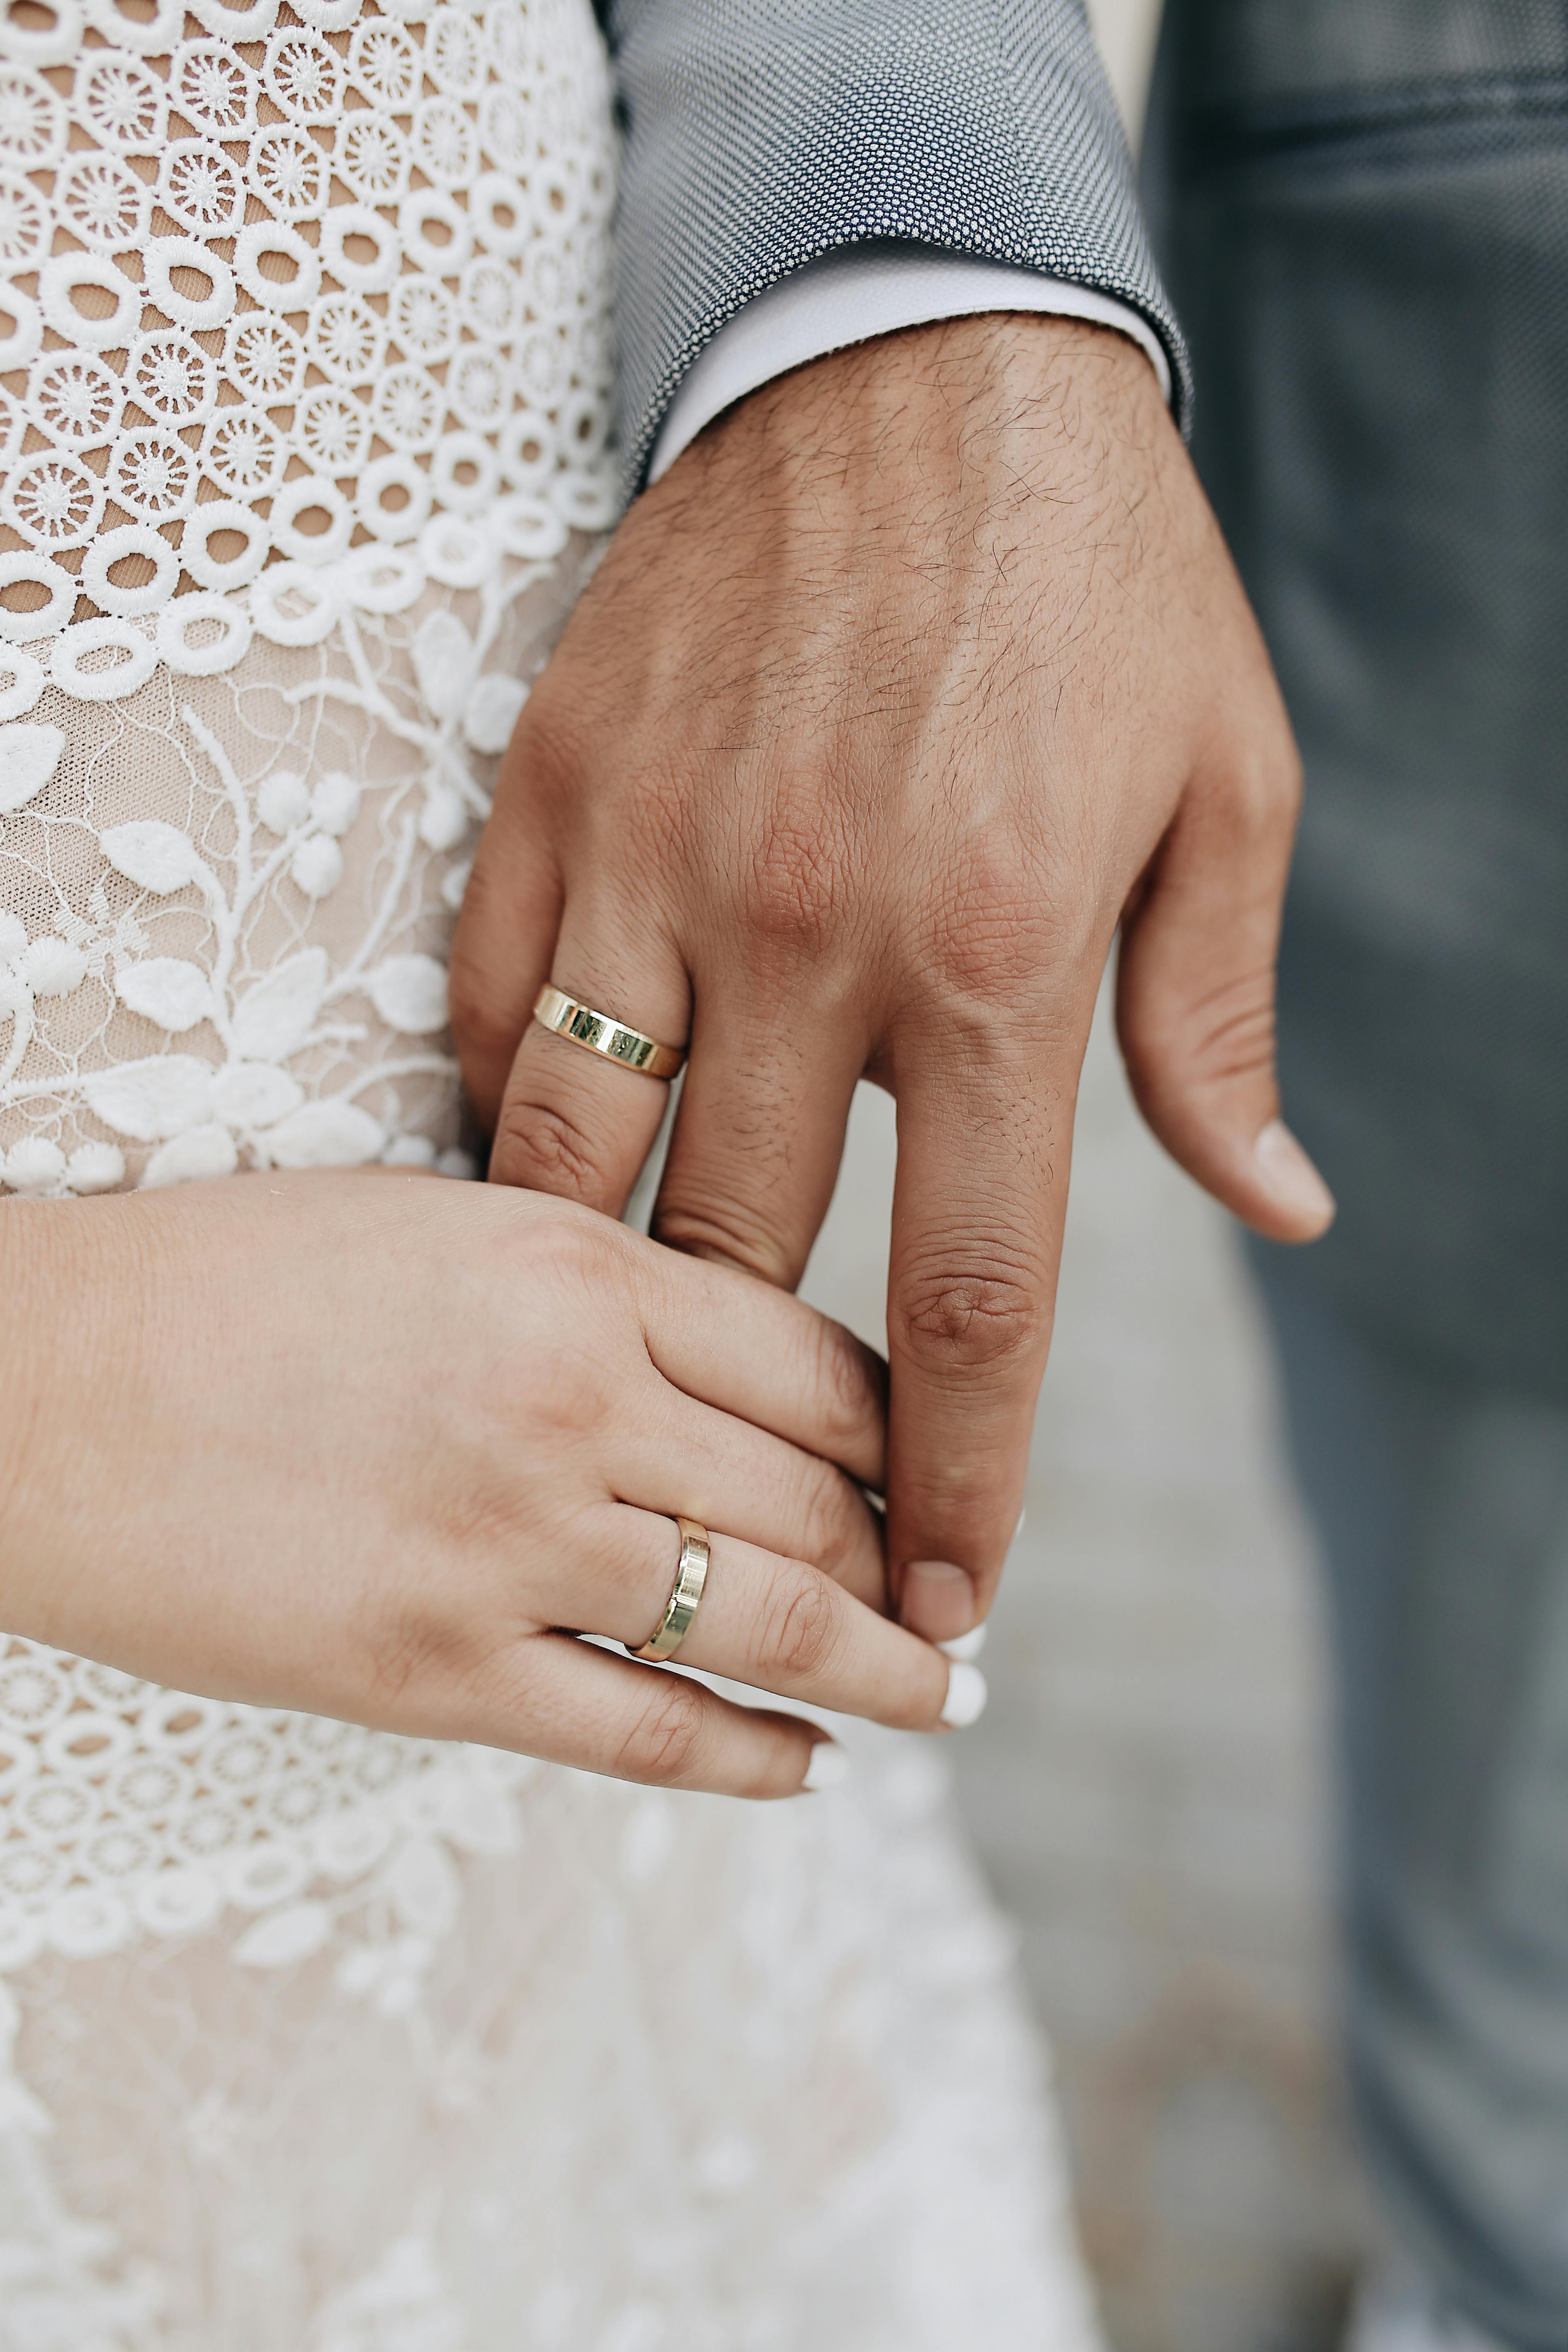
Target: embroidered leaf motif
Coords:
[(28, 758), (331, 1134), (445, 662), (409, 991), (481, 1817), (149, 1100), (173, 993), (275, 1017), (191, 1159), (423, 1882), (251, 1094), (492, 711), (52, 966), (284, 1938), (34, 1165), (154, 855), (95, 1168)]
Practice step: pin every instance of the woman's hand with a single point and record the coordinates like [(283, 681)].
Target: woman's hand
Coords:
[(377, 1446)]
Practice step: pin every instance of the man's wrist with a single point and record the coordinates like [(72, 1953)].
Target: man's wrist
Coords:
[(862, 293), (1020, 400)]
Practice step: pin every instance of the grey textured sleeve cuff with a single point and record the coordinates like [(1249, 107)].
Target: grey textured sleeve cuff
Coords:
[(760, 133), (854, 295)]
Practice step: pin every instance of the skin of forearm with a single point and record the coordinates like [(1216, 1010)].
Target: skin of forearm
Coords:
[(81, 1282)]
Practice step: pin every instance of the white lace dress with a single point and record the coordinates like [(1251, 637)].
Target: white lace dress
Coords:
[(312, 2039)]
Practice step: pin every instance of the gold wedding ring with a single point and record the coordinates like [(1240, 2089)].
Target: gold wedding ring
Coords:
[(600, 1033), (680, 1609)]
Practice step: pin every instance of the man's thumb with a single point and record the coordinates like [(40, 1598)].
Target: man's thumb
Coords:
[(1195, 1005)]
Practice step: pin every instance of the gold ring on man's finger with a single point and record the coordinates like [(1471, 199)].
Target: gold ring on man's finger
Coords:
[(601, 1034)]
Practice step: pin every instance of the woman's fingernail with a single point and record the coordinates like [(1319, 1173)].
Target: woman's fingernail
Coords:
[(1290, 1175), (938, 1599), (826, 1766), (966, 1695), (965, 1646), (1019, 1529)]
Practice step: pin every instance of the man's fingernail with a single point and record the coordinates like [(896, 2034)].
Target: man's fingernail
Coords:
[(938, 1599), (966, 1695), (965, 1646), (1290, 1175), (826, 1766)]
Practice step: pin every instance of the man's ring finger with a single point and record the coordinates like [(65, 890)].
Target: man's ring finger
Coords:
[(601, 1034)]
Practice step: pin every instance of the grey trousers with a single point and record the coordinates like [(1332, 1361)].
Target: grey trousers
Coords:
[(1443, 1512)]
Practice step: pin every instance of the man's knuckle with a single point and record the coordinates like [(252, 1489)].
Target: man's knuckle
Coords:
[(987, 936), (954, 1320), (734, 1239), (655, 820), (794, 884), (1230, 1032), (1146, 1047), (538, 1143), (1222, 1033), (553, 746), (478, 1023), (1263, 792)]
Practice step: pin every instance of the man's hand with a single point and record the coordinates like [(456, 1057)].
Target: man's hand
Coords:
[(919, 672)]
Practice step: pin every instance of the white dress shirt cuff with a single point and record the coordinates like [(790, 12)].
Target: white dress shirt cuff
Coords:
[(850, 296)]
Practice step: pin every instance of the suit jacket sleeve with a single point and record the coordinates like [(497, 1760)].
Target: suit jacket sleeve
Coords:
[(759, 133)]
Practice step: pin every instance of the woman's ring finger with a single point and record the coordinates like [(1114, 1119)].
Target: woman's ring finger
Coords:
[(685, 1594)]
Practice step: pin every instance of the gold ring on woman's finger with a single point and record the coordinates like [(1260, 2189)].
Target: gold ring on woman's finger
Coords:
[(680, 1609), (601, 1034)]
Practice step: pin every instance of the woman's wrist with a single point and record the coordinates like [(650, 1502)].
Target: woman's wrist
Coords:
[(65, 1341), (28, 1254)]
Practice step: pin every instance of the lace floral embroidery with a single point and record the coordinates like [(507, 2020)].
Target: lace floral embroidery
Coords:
[(321, 278), (135, 1809), (305, 400), (224, 906), (303, 405)]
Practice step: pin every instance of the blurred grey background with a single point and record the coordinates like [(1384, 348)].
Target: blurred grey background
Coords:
[(1148, 1788)]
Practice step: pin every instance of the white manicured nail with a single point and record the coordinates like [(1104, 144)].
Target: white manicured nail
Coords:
[(966, 1695), (965, 1646), (828, 1765)]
